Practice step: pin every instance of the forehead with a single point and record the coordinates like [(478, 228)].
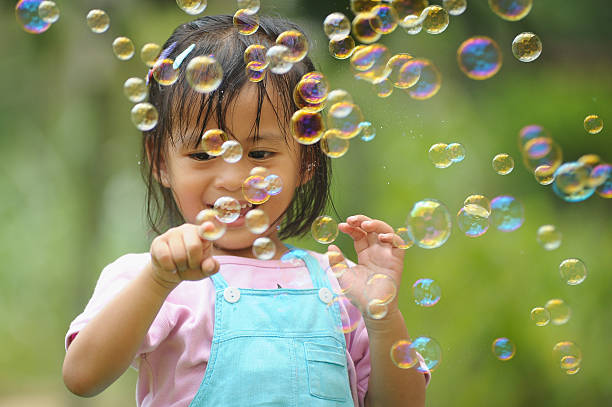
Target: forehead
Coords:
[(252, 114)]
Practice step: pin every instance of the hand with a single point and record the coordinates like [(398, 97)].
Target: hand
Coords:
[(181, 254), (377, 254)]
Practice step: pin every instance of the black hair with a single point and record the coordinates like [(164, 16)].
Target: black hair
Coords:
[(180, 107)]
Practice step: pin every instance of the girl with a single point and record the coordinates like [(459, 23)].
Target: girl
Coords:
[(207, 324)]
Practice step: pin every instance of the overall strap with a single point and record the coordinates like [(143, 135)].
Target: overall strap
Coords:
[(219, 281), (317, 274)]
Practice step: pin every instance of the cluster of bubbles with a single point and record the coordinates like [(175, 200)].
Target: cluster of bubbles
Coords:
[(569, 356), (504, 212), (443, 155), (36, 16), (572, 181)]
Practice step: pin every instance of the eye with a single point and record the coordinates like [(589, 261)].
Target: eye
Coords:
[(260, 154), (201, 156)]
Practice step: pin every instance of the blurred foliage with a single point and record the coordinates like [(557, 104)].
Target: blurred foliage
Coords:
[(73, 198)]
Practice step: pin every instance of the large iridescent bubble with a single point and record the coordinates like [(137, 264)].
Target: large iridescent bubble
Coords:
[(479, 57), (27, 15), (507, 213), (429, 223)]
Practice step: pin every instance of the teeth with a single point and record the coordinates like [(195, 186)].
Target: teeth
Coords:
[(246, 205)]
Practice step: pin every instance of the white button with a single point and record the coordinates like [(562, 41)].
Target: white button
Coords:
[(326, 295), (231, 294)]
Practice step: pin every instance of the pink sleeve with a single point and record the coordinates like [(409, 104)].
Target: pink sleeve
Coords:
[(113, 279)]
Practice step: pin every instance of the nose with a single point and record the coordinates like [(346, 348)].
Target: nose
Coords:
[(230, 176)]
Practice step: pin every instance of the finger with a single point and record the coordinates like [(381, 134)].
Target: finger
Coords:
[(193, 246), (334, 255), (357, 220), (356, 233), (178, 250), (376, 226), (390, 238), (209, 266), (161, 255)]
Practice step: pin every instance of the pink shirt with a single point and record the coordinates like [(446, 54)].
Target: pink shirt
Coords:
[(172, 360)]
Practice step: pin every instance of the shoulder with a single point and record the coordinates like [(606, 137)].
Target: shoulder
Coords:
[(125, 267)]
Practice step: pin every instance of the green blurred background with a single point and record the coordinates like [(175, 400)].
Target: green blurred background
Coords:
[(72, 198)]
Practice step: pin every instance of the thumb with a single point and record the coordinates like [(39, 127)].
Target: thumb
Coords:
[(209, 266)]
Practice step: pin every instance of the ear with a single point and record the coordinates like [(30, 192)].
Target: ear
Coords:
[(159, 170)]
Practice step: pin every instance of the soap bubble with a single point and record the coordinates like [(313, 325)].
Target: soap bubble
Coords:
[(426, 292), (559, 311), (526, 47), (192, 7), (540, 316), (249, 6), (549, 237), (346, 325), (306, 127), (456, 152), (135, 89), (383, 89), (503, 164), (164, 72), (507, 213), (479, 200), (394, 65), (473, 220), (412, 25), (601, 178), (429, 223), (144, 116), (274, 184), (214, 232), (28, 17), (254, 73), (313, 87), (324, 229), (542, 151), (368, 132), (431, 352), (380, 287), (573, 271), (403, 355), (304, 105), (544, 174), (436, 20), (342, 48), (369, 62), (232, 151), (254, 189), (531, 132), (257, 221), (345, 117), (363, 29), (571, 182), (98, 21), (297, 44), (511, 10), (149, 54), (276, 56), (123, 48), (264, 248), (455, 7), (228, 209), (403, 240), (503, 349), (568, 354), (593, 124), (245, 22), (429, 81), (260, 171), (212, 142), (336, 26), (479, 57), (387, 19), (409, 75), (363, 6), (337, 96), (48, 11), (407, 8), (204, 74), (439, 155), (376, 309), (333, 145), (256, 53)]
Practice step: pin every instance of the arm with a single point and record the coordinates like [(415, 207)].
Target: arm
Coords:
[(104, 349), (374, 240)]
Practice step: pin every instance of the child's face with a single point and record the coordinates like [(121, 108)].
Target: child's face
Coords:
[(196, 183)]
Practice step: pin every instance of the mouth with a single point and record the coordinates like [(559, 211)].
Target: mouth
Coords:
[(245, 207)]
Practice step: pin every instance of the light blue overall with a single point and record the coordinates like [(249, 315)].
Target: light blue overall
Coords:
[(279, 347)]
